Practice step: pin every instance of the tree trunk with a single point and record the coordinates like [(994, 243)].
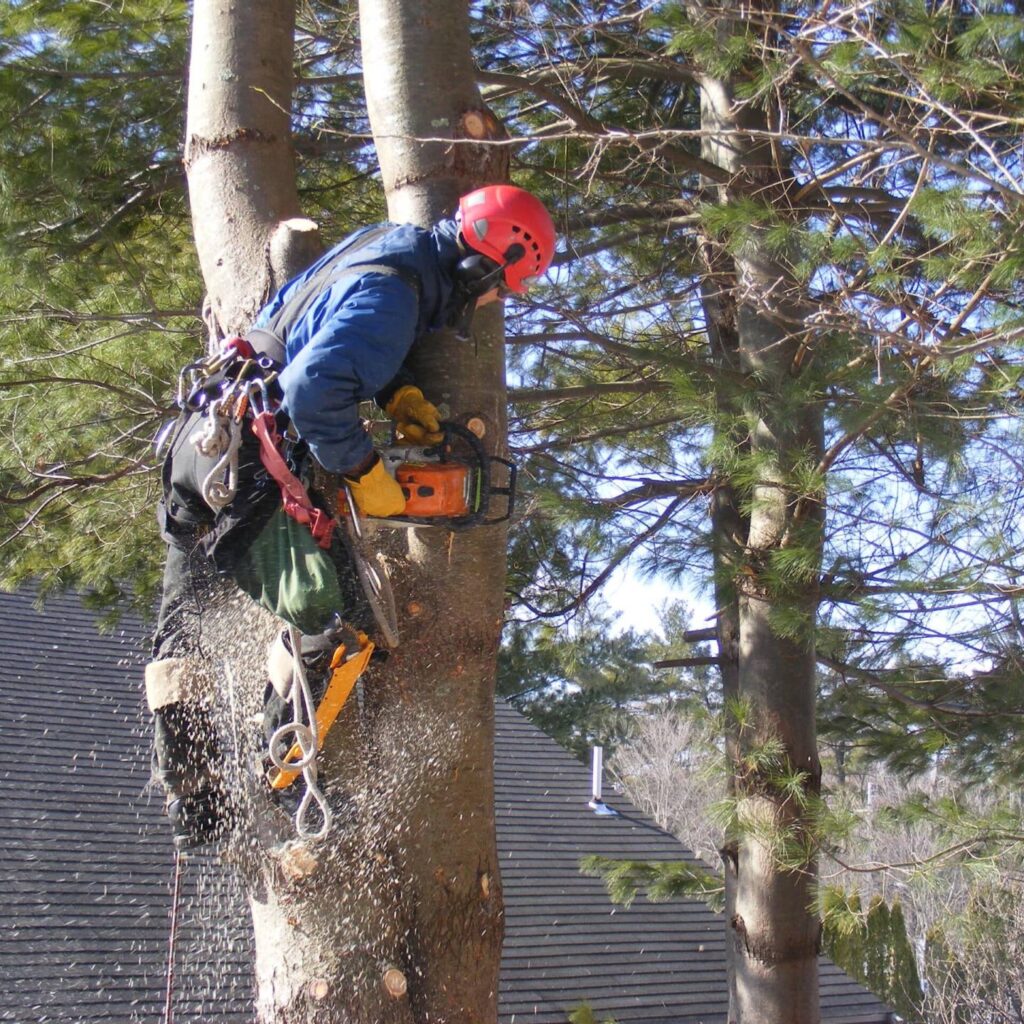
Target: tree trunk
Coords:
[(249, 233), (325, 926), (423, 87), (771, 916), (729, 529), (396, 917)]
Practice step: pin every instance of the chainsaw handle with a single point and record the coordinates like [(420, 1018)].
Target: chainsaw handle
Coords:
[(508, 492), (487, 490)]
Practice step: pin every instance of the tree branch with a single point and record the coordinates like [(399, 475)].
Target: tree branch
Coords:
[(696, 662), (652, 489), (943, 707), (624, 387), (616, 560)]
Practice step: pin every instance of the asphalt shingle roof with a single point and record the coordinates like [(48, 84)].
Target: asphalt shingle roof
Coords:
[(87, 869)]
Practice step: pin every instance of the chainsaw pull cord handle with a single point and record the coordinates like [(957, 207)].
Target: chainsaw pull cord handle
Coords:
[(308, 739)]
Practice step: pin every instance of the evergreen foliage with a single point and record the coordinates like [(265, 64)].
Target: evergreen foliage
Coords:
[(872, 946), (901, 225), (893, 206), (584, 1014), (658, 882), (869, 944), (585, 684), (100, 293)]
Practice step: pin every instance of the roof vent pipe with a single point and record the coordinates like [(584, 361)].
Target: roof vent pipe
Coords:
[(597, 804)]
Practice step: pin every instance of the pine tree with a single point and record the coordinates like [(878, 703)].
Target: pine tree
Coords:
[(854, 190), (885, 199), (100, 294), (872, 946)]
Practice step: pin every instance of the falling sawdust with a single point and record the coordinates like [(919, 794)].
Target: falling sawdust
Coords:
[(343, 894)]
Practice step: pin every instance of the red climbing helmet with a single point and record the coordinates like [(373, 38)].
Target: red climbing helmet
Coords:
[(510, 225)]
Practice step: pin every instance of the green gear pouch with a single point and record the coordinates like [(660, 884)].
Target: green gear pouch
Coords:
[(288, 574)]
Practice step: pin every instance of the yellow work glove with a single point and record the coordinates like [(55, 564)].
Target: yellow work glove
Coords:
[(416, 419), (376, 492)]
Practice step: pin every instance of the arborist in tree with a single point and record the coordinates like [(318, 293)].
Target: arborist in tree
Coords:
[(239, 506)]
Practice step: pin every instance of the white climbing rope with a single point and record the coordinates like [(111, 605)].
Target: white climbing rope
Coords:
[(308, 739)]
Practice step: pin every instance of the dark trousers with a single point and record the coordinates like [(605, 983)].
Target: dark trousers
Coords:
[(190, 588)]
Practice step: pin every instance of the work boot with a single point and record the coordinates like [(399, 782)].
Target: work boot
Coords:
[(198, 818), (186, 756)]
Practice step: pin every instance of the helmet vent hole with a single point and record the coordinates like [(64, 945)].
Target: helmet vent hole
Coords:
[(514, 253)]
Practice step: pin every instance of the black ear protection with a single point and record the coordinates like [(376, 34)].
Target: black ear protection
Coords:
[(474, 276), (478, 274)]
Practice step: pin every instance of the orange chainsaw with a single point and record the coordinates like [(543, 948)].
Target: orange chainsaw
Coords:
[(450, 484)]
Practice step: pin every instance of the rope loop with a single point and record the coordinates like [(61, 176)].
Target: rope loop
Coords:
[(308, 738)]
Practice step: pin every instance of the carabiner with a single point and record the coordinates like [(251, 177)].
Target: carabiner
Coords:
[(259, 397)]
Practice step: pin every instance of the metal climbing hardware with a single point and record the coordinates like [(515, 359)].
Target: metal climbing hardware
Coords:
[(219, 438), (224, 376), (345, 673), (223, 388), (310, 725), (235, 386)]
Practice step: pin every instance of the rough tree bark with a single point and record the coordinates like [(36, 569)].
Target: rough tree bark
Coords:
[(420, 85), (396, 917), (729, 529), (250, 235), (752, 308)]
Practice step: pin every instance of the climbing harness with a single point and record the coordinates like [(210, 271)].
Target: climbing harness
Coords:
[(230, 389), (273, 334), (310, 725)]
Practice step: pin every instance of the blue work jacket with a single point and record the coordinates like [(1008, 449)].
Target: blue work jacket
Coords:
[(353, 338)]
